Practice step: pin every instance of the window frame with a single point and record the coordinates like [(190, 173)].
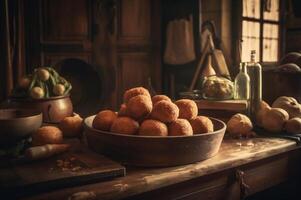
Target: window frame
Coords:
[(281, 32)]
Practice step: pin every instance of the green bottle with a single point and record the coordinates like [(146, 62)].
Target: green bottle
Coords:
[(242, 84)]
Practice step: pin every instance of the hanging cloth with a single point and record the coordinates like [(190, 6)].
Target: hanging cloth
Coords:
[(179, 42)]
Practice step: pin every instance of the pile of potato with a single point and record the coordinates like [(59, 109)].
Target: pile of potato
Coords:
[(285, 114), (141, 114), (48, 140)]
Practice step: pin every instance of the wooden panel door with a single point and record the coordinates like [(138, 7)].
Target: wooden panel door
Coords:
[(65, 21), (134, 24), (133, 70)]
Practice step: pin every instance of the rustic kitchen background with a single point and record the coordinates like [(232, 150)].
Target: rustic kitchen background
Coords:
[(106, 46)]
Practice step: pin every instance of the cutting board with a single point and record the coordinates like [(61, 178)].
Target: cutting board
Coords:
[(76, 167)]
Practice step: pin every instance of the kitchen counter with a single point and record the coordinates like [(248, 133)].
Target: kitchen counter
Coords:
[(242, 167)]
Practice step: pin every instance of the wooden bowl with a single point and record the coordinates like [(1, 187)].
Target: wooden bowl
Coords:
[(17, 124), (155, 151), (54, 109)]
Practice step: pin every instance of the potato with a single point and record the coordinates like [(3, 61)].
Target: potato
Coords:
[(293, 125), (239, 125), (72, 126), (47, 135), (274, 119), (263, 108), (289, 104)]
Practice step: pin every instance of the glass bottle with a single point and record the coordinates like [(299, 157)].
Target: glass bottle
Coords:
[(242, 84), (255, 73)]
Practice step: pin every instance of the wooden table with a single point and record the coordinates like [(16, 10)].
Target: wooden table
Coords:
[(241, 168)]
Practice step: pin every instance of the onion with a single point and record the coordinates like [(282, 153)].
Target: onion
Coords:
[(24, 82), (43, 74), (59, 89), (37, 93)]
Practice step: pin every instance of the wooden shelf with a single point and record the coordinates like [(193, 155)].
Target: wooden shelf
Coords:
[(229, 105)]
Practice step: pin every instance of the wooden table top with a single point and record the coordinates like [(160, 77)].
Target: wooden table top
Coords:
[(233, 153)]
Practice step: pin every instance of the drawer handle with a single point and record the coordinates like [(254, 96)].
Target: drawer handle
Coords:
[(244, 187)]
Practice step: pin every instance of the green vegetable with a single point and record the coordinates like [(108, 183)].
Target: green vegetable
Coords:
[(42, 84)]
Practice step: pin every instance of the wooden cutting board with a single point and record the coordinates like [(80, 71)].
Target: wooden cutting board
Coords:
[(76, 167)]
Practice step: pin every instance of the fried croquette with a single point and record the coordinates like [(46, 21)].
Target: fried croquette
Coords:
[(123, 110), (71, 126), (139, 106), (152, 127), (125, 125), (165, 111), (201, 124), (180, 127), (188, 109), (104, 119), (47, 135), (158, 98), (134, 92)]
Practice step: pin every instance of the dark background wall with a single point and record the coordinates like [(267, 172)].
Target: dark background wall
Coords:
[(123, 38)]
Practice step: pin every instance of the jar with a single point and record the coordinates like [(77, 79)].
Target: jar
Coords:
[(217, 88)]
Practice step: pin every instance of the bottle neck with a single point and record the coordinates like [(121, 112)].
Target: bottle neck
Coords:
[(243, 68), (253, 56)]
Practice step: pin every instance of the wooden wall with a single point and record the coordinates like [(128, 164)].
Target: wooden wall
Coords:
[(293, 26), (119, 39)]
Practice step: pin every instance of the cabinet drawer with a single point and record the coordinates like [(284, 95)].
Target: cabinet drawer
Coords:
[(267, 174)]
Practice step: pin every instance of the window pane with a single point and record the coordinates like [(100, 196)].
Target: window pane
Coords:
[(271, 10), (270, 42), (251, 8), (270, 30), (251, 38)]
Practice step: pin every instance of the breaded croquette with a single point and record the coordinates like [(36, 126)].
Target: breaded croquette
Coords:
[(104, 119), (152, 127), (188, 109), (134, 92), (158, 98), (139, 106), (125, 125), (165, 111), (201, 124), (180, 127)]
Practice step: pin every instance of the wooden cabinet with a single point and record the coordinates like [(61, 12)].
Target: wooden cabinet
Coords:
[(133, 70), (119, 38), (135, 46), (65, 21), (134, 25), (234, 184)]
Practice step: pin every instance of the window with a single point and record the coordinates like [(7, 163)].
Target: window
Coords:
[(260, 30)]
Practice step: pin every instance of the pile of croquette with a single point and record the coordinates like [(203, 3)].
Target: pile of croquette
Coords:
[(142, 114)]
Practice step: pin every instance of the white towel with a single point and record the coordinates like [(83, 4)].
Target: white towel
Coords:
[(179, 42)]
